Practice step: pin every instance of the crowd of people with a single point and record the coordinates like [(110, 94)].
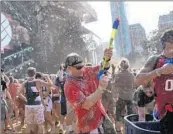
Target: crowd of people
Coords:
[(77, 102)]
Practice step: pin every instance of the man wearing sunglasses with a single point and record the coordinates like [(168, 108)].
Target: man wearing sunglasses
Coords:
[(159, 69), (84, 91), (144, 99)]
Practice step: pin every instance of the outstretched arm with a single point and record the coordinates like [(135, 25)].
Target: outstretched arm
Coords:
[(147, 73)]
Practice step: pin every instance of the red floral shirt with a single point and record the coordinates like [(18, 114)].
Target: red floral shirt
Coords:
[(76, 91)]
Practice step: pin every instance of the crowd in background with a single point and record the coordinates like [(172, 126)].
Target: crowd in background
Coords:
[(78, 101), (55, 105)]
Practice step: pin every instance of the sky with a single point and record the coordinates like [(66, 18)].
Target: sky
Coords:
[(146, 13)]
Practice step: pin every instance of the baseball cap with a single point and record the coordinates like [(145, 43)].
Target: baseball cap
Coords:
[(167, 36), (73, 59)]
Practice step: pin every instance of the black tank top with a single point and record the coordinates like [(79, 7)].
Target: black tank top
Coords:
[(32, 94)]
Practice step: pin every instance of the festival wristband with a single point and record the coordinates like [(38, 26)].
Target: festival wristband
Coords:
[(158, 73)]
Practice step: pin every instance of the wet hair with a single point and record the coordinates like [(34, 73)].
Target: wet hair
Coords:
[(38, 75), (16, 81), (31, 71), (124, 64), (11, 78), (167, 37)]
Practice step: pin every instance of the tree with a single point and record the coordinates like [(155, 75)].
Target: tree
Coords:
[(55, 29), (153, 45)]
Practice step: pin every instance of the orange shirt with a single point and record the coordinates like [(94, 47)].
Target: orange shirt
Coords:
[(13, 89)]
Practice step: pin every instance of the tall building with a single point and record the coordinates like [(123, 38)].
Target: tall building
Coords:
[(165, 21), (122, 41), (137, 35)]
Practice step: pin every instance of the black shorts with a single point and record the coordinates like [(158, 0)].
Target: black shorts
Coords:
[(63, 108), (55, 99), (120, 105), (166, 123), (4, 109)]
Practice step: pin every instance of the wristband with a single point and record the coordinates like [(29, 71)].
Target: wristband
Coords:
[(158, 73)]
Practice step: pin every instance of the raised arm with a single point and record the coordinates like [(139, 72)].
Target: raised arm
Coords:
[(147, 73), (48, 83), (76, 97), (20, 92), (7, 80)]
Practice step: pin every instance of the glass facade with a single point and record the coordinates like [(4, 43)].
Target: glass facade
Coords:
[(122, 41)]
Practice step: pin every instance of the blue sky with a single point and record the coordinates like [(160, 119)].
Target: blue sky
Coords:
[(146, 13)]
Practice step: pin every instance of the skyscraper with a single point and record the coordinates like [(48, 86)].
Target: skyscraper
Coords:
[(165, 21), (122, 41), (137, 35)]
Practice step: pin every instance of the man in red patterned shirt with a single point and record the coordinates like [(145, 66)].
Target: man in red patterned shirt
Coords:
[(83, 91)]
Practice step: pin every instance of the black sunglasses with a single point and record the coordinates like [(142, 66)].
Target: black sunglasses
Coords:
[(78, 67)]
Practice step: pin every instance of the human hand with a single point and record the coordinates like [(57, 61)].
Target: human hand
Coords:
[(103, 82), (108, 53), (166, 69)]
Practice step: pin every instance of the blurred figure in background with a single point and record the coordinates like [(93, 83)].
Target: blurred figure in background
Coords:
[(47, 103), (13, 86), (144, 100), (60, 81), (124, 89), (34, 109)]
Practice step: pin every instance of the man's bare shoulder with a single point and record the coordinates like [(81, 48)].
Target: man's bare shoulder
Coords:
[(23, 84), (149, 65), (39, 81)]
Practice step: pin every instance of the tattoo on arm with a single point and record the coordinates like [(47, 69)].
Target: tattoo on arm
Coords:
[(149, 65)]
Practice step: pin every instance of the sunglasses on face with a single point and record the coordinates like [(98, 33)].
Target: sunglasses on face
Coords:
[(78, 67)]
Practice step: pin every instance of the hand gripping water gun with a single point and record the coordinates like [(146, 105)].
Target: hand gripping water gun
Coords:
[(106, 59)]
